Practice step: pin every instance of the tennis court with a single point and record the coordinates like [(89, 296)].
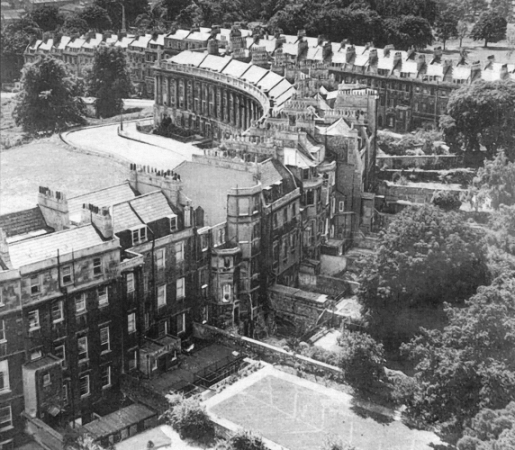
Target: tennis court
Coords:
[(298, 415)]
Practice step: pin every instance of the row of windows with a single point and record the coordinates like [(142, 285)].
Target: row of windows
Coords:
[(67, 275), (160, 255), (85, 383), (288, 213), (180, 292), (57, 312)]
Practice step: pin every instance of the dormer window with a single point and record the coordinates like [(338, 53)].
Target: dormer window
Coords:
[(139, 235), (173, 223)]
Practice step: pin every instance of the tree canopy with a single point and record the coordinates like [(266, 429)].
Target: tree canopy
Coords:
[(18, 34), (405, 31), (470, 365), (491, 27), (483, 114), (47, 17), (96, 17), (133, 8), (74, 25), (426, 257), (491, 429), (446, 26), (109, 81), (501, 241), (49, 99)]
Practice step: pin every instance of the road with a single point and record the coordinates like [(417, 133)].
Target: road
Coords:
[(162, 153)]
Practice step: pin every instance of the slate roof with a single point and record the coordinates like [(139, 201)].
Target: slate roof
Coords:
[(189, 58), (236, 68), (23, 222), (119, 420), (179, 35), (44, 247), (103, 197), (149, 208), (214, 63)]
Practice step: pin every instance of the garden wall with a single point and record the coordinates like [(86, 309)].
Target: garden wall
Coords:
[(269, 353)]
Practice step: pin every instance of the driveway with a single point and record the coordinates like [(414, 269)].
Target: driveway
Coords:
[(155, 151)]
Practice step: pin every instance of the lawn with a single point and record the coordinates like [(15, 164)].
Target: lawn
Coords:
[(299, 415), (502, 51), (47, 162)]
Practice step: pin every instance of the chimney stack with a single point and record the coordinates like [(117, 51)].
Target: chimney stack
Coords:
[(350, 54), (4, 249), (421, 62), (54, 207), (475, 71), (447, 70), (437, 55), (100, 218), (372, 57), (386, 50)]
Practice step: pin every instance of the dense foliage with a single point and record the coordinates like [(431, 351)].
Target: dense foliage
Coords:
[(362, 360), (189, 418), (49, 99), (336, 443), (425, 257), (470, 365), (133, 8), (482, 114), (47, 17), (17, 35), (494, 183), (96, 17), (109, 81), (491, 27), (491, 429)]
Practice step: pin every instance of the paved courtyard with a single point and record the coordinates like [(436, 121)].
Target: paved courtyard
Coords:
[(299, 415)]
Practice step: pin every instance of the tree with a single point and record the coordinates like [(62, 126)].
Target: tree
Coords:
[(495, 183), (96, 17), (483, 114), (504, 8), (84, 442), (501, 241), (362, 360), (491, 429), (175, 7), (74, 25), (294, 16), (426, 256), (470, 364), (18, 34), (405, 31), (133, 8), (462, 31), (425, 9), (153, 19), (189, 418), (47, 17), (359, 26), (446, 27), (109, 81), (219, 12), (491, 27), (49, 100)]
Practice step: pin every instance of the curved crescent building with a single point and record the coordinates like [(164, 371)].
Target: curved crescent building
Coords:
[(216, 95)]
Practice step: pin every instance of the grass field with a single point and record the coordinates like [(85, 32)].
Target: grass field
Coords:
[(48, 163), (300, 415), (503, 51)]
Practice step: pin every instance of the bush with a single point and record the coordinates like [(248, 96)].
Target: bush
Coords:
[(362, 360), (245, 440), (447, 200), (189, 418), (336, 443)]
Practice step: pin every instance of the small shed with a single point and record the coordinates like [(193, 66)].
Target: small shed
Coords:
[(121, 424)]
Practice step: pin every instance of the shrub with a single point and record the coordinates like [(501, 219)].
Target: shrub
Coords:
[(336, 443), (189, 418), (245, 440)]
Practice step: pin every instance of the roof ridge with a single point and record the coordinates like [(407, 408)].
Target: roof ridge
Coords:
[(100, 190)]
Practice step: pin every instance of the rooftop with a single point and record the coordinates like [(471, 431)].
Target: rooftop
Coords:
[(140, 210), (23, 222), (118, 420), (47, 246), (211, 193), (101, 197)]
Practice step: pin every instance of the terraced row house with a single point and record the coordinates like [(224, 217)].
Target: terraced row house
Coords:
[(413, 88)]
